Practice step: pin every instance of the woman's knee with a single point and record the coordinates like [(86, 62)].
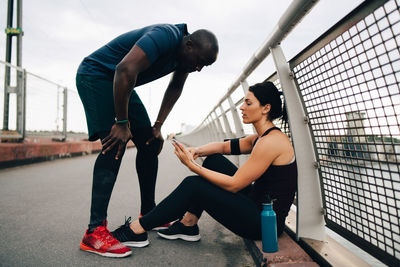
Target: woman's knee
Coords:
[(219, 163), (189, 185), (195, 184), (212, 160), (192, 180)]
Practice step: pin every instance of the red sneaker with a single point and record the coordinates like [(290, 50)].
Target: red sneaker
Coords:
[(101, 242), (164, 226)]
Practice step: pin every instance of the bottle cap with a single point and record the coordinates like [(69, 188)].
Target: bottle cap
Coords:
[(268, 199)]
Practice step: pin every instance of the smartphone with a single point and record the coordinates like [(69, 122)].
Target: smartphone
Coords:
[(176, 142)]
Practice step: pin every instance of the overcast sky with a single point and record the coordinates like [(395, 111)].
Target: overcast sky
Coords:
[(58, 34)]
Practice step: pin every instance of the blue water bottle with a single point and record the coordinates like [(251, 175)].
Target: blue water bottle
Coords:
[(268, 227)]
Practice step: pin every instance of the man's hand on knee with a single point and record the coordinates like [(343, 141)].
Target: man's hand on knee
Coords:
[(119, 135)]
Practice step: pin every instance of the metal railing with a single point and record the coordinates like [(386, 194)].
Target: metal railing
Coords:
[(343, 96), (349, 82), (46, 108)]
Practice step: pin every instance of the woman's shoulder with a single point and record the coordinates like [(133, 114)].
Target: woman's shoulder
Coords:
[(275, 139), (250, 138)]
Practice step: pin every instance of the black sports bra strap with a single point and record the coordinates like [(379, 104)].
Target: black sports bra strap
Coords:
[(269, 130)]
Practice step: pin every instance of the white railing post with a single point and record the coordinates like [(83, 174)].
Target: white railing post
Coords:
[(213, 128), (236, 119), (219, 127), (238, 126), (65, 112), (245, 86), (23, 107), (229, 133), (310, 216), (210, 130)]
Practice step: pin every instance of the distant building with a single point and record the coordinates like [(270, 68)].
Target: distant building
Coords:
[(356, 145)]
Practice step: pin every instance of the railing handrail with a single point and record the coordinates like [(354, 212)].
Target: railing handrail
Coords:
[(290, 18), (31, 73), (11, 65)]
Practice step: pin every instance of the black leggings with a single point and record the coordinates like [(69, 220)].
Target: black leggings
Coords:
[(236, 211), (106, 170)]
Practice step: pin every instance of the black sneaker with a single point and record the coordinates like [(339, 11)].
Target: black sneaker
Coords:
[(178, 230), (126, 236)]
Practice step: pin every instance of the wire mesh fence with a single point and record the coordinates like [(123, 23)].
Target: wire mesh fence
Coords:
[(44, 106), (51, 109), (350, 88)]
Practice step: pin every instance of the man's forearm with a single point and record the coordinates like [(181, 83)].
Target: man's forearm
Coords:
[(126, 73), (171, 95)]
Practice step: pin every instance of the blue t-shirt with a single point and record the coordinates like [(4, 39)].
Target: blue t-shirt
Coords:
[(160, 42)]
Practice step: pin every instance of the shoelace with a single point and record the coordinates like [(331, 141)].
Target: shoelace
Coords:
[(120, 230), (126, 224), (106, 235), (127, 221)]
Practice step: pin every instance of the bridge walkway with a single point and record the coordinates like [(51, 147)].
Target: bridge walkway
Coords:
[(44, 210)]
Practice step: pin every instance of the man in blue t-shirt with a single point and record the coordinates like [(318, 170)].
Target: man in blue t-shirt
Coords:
[(115, 114)]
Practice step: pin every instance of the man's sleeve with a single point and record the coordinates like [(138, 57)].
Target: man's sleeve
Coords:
[(160, 40)]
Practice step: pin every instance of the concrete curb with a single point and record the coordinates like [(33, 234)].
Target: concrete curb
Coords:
[(289, 254), (15, 154)]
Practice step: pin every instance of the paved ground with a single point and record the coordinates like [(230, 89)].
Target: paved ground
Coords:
[(44, 212)]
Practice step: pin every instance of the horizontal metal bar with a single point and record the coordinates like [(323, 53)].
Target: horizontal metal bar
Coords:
[(290, 18), (44, 79), (11, 136), (30, 73), (11, 66)]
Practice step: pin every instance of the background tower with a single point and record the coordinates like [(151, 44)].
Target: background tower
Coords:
[(18, 88)]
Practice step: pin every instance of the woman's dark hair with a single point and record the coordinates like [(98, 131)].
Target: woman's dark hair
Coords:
[(267, 93)]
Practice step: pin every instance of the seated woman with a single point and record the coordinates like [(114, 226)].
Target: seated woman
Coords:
[(230, 195)]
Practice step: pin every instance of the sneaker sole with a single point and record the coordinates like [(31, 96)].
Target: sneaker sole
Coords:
[(190, 238), (160, 228), (136, 244), (104, 254)]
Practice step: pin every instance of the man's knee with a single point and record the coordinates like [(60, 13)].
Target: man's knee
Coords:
[(149, 151), (108, 161), (140, 138)]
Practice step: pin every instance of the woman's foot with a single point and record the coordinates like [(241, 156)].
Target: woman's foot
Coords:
[(128, 237), (164, 226), (179, 231)]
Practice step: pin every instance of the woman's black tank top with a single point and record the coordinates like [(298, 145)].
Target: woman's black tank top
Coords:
[(278, 181)]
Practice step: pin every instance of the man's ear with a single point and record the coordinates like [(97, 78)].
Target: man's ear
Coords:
[(189, 44)]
